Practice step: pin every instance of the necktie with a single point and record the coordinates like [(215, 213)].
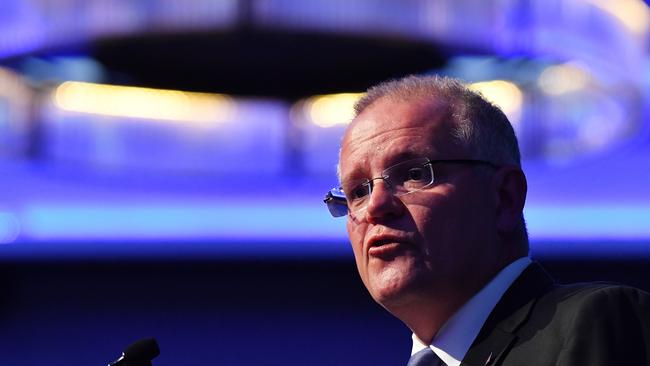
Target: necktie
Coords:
[(426, 357)]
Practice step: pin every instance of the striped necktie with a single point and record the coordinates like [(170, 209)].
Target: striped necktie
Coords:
[(426, 357)]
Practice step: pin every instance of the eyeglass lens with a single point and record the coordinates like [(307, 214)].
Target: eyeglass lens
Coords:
[(401, 179)]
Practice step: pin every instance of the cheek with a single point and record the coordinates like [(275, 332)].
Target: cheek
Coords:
[(434, 231), (430, 217), (442, 229), (454, 232), (356, 233)]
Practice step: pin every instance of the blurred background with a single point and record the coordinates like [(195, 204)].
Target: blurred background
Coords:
[(163, 164)]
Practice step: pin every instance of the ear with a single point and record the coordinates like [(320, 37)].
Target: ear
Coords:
[(510, 189)]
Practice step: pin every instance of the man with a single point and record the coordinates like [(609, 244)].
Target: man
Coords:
[(433, 190)]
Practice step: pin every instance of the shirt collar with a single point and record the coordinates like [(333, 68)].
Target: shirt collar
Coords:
[(456, 336)]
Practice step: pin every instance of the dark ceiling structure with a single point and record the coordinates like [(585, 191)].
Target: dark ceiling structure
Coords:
[(252, 62)]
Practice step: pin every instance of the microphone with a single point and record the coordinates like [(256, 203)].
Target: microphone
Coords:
[(138, 353)]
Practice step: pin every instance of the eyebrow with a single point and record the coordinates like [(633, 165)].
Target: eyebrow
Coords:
[(395, 159), (354, 177), (404, 156)]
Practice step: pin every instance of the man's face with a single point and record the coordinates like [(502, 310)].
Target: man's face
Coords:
[(438, 244)]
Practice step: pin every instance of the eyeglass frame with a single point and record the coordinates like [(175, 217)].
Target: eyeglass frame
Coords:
[(337, 202)]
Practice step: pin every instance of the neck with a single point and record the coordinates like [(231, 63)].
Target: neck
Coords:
[(429, 310), (426, 316)]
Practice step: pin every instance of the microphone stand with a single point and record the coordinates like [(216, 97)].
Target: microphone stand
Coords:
[(138, 353)]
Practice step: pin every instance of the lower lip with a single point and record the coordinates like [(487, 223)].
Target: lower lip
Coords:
[(386, 250)]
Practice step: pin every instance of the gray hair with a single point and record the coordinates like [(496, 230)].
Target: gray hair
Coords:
[(481, 127)]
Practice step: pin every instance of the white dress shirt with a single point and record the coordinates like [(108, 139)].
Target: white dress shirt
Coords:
[(456, 336)]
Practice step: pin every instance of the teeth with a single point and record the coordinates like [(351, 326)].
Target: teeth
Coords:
[(382, 242)]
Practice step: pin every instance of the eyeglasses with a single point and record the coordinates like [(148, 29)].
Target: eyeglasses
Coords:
[(403, 178)]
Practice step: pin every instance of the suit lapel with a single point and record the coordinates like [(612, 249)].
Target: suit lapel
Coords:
[(498, 334), (490, 351)]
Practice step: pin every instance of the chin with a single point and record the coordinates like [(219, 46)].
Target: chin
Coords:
[(394, 290)]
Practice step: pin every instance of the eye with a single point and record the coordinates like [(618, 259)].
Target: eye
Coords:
[(359, 191), (416, 174)]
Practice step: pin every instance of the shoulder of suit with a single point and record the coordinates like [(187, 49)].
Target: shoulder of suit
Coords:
[(563, 307), (595, 295), (581, 291)]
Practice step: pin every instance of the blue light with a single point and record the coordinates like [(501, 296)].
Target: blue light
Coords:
[(285, 229), (269, 221), (589, 222)]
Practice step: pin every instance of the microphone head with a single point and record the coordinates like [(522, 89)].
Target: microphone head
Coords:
[(145, 349)]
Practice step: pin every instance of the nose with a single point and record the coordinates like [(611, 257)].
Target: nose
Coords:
[(382, 203)]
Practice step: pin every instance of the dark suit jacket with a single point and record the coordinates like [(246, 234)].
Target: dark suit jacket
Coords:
[(537, 323)]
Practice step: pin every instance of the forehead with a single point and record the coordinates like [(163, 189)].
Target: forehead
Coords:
[(390, 130)]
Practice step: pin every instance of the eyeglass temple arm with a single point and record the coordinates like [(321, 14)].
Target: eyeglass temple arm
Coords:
[(332, 198)]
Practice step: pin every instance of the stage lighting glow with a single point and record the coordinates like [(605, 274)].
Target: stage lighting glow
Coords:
[(594, 222), (231, 223), (634, 14), (145, 103), (506, 95), (9, 227), (220, 219), (331, 110), (563, 79)]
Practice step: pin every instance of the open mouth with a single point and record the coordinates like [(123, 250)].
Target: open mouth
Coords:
[(382, 242), (386, 246)]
